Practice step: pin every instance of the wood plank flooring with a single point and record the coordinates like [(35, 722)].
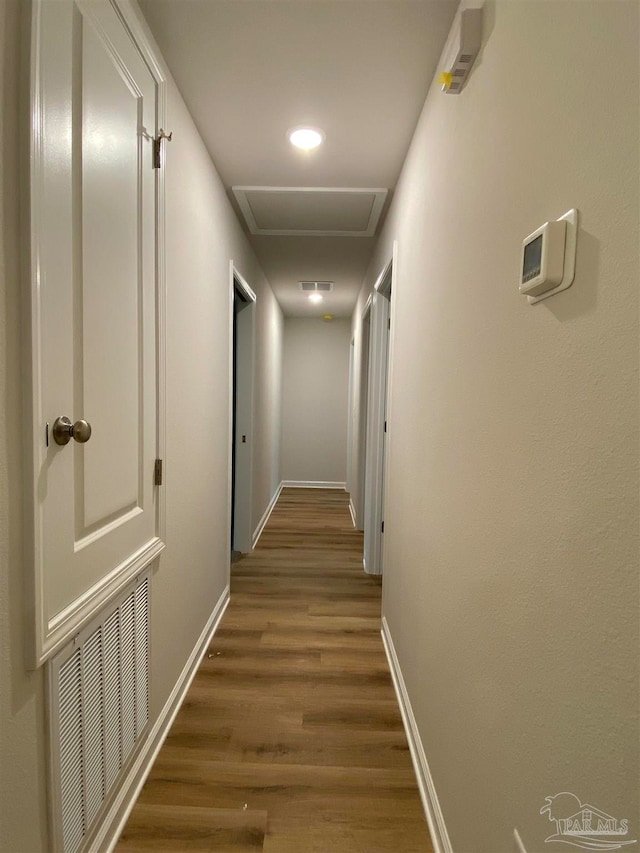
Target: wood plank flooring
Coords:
[(290, 739)]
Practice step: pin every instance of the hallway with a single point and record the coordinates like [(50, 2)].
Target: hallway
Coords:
[(439, 341), (290, 738)]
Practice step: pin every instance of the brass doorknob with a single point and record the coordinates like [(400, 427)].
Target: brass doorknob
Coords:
[(63, 431)]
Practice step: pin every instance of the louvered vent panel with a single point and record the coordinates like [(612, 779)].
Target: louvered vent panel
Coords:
[(112, 751), (93, 723), (315, 286), (142, 657), (101, 691), (127, 670), (71, 758)]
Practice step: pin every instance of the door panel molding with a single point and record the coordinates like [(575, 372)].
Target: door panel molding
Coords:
[(70, 621), (51, 122)]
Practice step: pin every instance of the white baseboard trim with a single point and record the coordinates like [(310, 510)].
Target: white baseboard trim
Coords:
[(518, 846), (432, 810), (312, 484), (115, 819), (353, 512), (265, 517)]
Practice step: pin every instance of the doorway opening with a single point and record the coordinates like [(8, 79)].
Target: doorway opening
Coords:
[(242, 380)]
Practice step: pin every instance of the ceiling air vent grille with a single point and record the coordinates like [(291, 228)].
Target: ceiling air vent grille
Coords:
[(316, 286)]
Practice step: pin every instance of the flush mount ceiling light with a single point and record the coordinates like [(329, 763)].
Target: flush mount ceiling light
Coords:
[(305, 138), (315, 297)]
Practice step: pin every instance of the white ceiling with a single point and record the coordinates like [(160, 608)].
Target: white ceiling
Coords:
[(251, 69), (343, 260)]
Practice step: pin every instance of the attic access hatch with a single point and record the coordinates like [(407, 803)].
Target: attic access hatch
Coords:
[(311, 211)]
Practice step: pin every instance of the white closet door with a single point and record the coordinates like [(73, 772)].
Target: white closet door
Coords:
[(94, 210)]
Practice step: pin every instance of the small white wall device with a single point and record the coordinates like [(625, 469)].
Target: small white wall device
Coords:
[(547, 264), (461, 50)]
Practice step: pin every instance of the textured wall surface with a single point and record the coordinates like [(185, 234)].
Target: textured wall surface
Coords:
[(267, 412), (203, 235), (315, 380), (511, 568)]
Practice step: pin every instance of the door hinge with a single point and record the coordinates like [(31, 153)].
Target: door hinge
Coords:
[(157, 147), (157, 473), (385, 426), (389, 324), (382, 527)]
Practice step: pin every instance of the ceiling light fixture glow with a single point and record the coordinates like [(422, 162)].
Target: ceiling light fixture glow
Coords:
[(305, 138), (315, 297)]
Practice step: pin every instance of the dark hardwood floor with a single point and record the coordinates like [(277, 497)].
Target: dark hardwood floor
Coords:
[(290, 739)]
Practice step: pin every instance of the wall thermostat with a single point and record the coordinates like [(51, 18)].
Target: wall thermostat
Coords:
[(547, 263)]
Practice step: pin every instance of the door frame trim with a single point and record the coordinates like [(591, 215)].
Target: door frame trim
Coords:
[(236, 279), (350, 396), (361, 437), (45, 636), (243, 284), (389, 392), (378, 401)]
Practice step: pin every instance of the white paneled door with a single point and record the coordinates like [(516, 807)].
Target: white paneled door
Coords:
[(95, 340)]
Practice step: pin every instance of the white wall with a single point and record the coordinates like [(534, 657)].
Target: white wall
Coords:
[(267, 415), (314, 399), (203, 235), (511, 586)]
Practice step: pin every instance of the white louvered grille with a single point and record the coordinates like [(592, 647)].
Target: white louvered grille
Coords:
[(112, 751), (71, 757), (101, 693), (127, 676), (315, 286), (142, 658), (93, 724)]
